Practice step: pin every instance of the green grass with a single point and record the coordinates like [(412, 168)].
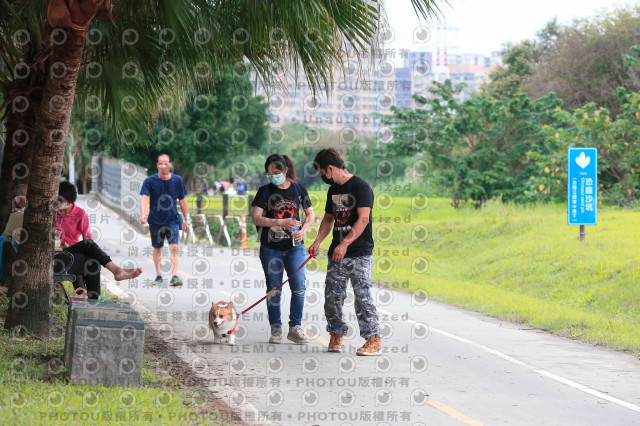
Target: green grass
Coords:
[(518, 263), (525, 264), (34, 389), (238, 205)]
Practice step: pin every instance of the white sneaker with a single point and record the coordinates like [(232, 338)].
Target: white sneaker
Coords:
[(276, 335), (296, 335)]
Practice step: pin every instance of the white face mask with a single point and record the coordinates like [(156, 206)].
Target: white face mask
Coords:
[(62, 204), (276, 179)]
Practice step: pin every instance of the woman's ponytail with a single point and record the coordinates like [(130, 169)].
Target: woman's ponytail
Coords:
[(291, 170)]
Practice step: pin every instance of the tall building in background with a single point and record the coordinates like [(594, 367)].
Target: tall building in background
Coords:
[(365, 90), (403, 86), (357, 93)]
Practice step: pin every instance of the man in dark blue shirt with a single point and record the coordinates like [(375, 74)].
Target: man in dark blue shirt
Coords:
[(160, 192)]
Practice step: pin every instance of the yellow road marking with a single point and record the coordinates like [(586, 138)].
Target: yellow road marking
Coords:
[(185, 274), (454, 413), (238, 299), (179, 271), (113, 242), (318, 338)]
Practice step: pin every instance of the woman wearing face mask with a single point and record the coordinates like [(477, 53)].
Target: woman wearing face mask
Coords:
[(276, 213)]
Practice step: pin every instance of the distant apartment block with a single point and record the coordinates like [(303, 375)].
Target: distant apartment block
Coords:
[(356, 95), (360, 92)]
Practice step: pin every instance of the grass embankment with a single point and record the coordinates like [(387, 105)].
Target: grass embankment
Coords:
[(525, 264), (34, 388), (518, 263)]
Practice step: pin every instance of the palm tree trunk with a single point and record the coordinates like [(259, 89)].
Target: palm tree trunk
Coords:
[(85, 185), (29, 292), (18, 148)]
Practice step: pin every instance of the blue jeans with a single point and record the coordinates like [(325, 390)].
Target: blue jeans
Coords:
[(273, 262)]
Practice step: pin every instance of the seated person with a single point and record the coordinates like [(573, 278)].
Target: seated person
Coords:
[(86, 252), (8, 240), (72, 223), (18, 204)]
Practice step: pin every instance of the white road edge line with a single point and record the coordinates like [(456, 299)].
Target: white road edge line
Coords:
[(544, 373), (189, 357)]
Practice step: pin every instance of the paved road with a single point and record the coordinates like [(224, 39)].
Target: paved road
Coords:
[(442, 365)]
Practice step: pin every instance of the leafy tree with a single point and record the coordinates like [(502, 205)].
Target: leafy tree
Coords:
[(200, 137), (520, 60), (592, 126), (129, 67), (586, 63), (371, 160), (296, 140), (477, 149)]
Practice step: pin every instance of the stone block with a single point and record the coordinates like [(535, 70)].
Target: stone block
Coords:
[(104, 343)]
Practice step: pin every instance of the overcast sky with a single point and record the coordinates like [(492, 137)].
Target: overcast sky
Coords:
[(484, 25)]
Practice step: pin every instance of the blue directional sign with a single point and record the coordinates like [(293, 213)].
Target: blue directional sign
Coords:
[(582, 186)]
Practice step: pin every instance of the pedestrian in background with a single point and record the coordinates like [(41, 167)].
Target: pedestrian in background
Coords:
[(161, 192)]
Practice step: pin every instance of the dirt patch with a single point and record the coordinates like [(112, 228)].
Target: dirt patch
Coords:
[(166, 362)]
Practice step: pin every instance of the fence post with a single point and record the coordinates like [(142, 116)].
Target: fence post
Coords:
[(250, 207), (225, 205), (243, 228), (199, 203)]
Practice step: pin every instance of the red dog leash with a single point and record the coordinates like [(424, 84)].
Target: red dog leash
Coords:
[(270, 294)]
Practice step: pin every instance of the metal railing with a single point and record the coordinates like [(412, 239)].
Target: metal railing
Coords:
[(117, 183)]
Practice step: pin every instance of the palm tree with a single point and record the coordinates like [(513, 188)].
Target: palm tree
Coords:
[(127, 67)]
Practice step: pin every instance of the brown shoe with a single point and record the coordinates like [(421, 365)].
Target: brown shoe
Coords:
[(335, 344), (371, 347)]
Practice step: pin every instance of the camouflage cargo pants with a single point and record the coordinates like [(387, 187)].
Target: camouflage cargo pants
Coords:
[(358, 270)]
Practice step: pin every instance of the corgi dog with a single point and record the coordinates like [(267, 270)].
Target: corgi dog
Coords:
[(223, 321)]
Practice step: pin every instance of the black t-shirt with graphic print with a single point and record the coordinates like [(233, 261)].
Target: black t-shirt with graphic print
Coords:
[(281, 204), (343, 202)]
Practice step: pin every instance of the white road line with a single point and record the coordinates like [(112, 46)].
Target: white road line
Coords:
[(588, 390), (544, 373)]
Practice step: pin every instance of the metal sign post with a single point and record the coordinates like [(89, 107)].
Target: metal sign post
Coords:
[(582, 188)]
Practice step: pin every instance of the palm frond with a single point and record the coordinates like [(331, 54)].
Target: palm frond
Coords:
[(427, 8), (275, 38)]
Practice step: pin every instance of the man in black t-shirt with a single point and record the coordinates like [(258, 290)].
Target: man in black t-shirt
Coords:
[(348, 211)]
